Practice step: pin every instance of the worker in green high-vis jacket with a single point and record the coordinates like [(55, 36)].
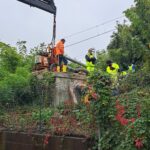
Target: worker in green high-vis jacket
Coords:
[(90, 60)]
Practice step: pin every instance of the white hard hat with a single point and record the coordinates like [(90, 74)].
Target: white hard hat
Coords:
[(91, 49)]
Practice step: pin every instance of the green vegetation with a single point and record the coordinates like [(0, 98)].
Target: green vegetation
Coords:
[(123, 120), (128, 113), (15, 75), (119, 122), (17, 84)]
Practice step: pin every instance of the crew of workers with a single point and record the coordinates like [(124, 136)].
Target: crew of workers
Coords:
[(59, 51), (112, 68)]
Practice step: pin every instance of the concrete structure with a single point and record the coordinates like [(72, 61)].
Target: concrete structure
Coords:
[(66, 87)]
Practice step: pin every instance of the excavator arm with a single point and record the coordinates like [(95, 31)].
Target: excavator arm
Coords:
[(46, 5)]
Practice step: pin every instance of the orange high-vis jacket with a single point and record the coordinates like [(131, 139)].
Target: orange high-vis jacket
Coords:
[(60, 48)]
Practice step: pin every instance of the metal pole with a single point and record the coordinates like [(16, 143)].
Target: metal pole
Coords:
[(75, 61)]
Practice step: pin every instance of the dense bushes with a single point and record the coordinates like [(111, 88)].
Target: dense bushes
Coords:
[(14, 75), (17, 84), (120, 122), (124, 119)]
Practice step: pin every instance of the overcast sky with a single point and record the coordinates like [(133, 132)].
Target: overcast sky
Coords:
[(19, 21)]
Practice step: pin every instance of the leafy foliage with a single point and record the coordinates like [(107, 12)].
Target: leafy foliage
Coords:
[(130, 44), (9, 58), (15, 76), (121, 122)]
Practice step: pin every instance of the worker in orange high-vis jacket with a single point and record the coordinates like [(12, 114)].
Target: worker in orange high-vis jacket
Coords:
[(60, 56)]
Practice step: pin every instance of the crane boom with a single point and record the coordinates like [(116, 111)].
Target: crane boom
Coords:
[(46, 5)]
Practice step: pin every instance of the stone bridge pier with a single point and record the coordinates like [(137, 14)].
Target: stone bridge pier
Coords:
[(68, 87)]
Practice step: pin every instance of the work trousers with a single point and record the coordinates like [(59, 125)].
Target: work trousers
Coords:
[(61, 59)]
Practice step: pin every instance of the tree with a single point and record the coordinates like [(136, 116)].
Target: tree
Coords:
[(130, 44), (9, 58), (14, 74), (37, 49), (22, 48)]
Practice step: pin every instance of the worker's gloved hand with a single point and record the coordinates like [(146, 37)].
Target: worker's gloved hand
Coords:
[(93, 60)]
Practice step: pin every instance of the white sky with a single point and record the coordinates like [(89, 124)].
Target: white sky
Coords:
[(19, 21)]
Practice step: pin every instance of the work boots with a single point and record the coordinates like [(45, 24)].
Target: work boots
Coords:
[(58, 69), (64, 68)]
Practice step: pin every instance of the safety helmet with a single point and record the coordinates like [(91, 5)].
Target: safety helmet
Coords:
[(91, 50), (108, 62)]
